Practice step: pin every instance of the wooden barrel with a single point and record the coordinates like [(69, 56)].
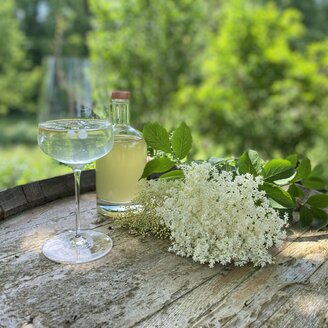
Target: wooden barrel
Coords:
[(20, 198), (139, 283)]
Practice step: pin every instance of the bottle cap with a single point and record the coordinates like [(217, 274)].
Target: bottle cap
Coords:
[(120, 95)]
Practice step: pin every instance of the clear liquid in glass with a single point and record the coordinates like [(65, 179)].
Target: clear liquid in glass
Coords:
[(75, 142)]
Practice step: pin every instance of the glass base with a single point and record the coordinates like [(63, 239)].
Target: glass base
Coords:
[(117, 209), (64, 247)]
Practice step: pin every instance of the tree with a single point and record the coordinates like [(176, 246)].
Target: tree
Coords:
[(31, 30), (146, 47), (17, 82), (54, 26), (314, 16), (256, 89)]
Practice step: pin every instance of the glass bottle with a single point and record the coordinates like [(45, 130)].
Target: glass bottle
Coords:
[(118, 172)]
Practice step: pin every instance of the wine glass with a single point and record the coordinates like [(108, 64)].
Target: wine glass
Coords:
[(74, 131)]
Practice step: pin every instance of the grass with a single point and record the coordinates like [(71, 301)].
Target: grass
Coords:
[(18, 130), (21, 160), (21, 164)]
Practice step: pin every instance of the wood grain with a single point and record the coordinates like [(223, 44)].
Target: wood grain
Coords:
[(131, 261), (295, 265), (141, 284), (306, 305)]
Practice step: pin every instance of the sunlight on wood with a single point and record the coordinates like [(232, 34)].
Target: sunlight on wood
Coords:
[(34, 242)]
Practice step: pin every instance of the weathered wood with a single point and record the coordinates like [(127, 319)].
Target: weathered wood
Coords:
[(20, 198), (33, 193), (295, 265), (140, 258), (32, 227), (306, 304), (141, 284), (297, 305), (213, 303), (12, 201)]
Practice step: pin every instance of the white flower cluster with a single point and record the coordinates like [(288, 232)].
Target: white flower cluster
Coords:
[(151, 196), (210, 216), (217, 217)]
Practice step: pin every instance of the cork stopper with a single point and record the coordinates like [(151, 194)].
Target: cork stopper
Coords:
[(120, 95)]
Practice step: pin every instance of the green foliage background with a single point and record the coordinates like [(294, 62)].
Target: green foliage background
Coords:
[(242, 74)]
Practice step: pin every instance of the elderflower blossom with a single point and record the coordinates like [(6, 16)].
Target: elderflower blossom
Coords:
[(216, 217), (152, 195)]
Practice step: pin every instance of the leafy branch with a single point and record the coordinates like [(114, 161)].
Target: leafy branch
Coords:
[(291, 184), (168, 149)]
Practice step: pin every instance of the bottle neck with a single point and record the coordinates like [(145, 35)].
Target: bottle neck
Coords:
[(121, 112)]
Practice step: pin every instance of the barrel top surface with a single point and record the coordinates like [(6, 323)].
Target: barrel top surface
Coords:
[(141, 284)]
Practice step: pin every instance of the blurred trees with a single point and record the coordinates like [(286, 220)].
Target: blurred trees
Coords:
[(29, 31), (314, 16), (256, 89), (146, 47), (17, 78), (244, 74), (54, 27)]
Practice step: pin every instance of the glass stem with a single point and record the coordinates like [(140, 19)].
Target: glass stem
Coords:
[(77, 178)]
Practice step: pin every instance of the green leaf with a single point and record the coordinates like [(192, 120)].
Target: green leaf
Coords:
[(276, 205), (317, 171), (283, 182), (157, 137), (250, 162), (294, 191), (157, 165), (315, 180), (320, 218), (314, 183), (225, 164), (181, 141), (216, 160), (320, 201), (306, 217), (278, 194), (293, 159), (175, 174), (303, 170), (277, 169)]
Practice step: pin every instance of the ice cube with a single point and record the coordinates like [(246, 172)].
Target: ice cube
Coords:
[(71, 134), (82, 134)]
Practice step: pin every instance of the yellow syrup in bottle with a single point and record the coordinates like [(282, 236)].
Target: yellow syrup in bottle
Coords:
[(119, 171)]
